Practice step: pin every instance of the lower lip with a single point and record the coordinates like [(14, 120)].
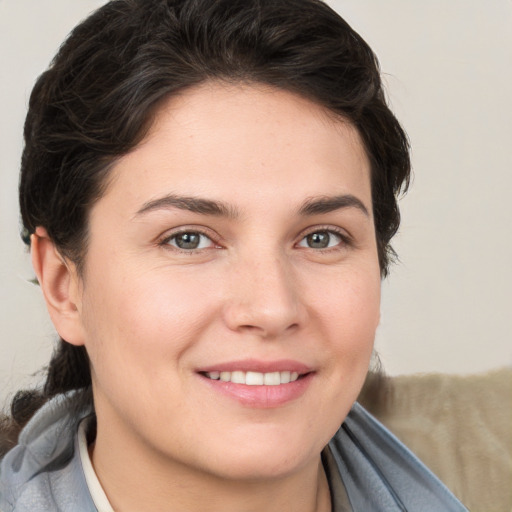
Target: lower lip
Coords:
[(261, 397)]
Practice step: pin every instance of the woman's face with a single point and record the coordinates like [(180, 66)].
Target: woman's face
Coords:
[(235, 244)]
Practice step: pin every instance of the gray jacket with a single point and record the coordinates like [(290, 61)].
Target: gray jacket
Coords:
[(378, 473)]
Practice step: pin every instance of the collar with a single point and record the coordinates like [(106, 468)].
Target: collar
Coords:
[(96, 490)]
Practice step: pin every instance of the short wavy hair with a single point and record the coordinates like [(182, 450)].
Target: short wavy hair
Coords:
[(99, 96)]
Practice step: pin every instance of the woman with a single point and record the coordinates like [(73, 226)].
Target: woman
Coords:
[(209, 193)]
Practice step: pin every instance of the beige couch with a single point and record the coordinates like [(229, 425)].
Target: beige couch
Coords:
[(460, 426)]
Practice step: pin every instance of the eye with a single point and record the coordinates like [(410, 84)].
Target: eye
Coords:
[(189, 241), (321, 240)]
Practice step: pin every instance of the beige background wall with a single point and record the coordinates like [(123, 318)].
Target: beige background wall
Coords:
[(446, 306)]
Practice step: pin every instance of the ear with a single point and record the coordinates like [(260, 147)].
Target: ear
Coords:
[(60, 284)]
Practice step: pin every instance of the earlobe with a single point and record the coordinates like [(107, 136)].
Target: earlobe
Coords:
[(60, 285)]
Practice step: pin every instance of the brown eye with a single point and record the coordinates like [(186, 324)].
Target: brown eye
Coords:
[(320, 240)]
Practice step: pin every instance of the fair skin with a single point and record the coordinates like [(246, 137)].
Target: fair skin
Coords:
[(237, 237)]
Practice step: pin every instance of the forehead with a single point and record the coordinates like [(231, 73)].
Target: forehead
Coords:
[(218, 140)]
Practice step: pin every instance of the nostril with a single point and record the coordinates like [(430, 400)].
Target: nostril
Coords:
[(267, 333), (266, 315)]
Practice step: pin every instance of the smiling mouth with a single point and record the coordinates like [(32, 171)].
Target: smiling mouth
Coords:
[(255, 378)]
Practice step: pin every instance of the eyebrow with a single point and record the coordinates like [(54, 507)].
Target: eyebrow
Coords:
[(191, 204), (327, 204), (312, 206)]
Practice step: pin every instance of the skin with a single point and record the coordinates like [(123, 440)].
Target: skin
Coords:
[(152, 315)]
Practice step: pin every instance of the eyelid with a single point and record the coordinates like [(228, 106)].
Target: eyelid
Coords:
[(342, 233), (163, 240)]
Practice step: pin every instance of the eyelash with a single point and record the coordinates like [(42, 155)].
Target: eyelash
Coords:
[(165, 242), (346, 240)]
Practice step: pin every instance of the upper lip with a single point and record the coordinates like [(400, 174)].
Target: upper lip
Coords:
[(254, 365)]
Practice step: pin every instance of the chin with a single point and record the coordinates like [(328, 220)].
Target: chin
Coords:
[(260, 456), (252, 468)]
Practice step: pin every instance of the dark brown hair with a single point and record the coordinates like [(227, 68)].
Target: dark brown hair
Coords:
[(97, 99)]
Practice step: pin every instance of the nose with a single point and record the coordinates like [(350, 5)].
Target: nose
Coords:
[(263, 298)]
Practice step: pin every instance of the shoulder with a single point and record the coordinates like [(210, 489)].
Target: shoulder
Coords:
[(380, 473), (43, 471)]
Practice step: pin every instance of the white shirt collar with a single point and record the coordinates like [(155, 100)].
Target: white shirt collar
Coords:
[(97, 493)]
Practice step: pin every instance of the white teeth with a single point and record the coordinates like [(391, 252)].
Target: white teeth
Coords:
[(285, 377), (255, 378), (238, 377), (272, 379)]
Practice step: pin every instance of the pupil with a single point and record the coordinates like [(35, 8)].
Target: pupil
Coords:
[(318, 240), (187, 241)]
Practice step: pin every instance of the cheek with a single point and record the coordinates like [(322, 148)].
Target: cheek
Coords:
[(350, 304), (168, 307), (142, 320), (346, 314), (349, 314)]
